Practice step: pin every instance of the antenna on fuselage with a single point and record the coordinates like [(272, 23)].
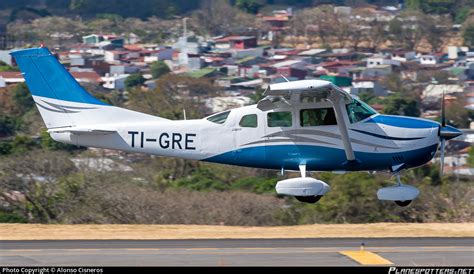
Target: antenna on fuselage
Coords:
[(286, 79), (184, 113)]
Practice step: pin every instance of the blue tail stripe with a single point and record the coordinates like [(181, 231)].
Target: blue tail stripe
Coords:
[(46, 77)]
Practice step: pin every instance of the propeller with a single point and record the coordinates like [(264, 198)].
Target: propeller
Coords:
[(445, 133)]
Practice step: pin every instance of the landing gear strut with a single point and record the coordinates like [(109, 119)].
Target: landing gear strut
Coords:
[(304, 189)]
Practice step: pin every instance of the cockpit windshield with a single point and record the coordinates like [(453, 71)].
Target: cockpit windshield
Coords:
[(358, 111), (219, 118)]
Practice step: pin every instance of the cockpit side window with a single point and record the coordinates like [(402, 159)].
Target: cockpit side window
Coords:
[(358, 111), (279, 119), (317, 117), (219, 118), (249, 120)]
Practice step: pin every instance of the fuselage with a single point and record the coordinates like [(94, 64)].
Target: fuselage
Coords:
[(379, 141)]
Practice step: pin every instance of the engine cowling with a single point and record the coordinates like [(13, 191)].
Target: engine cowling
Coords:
[(302, 187)]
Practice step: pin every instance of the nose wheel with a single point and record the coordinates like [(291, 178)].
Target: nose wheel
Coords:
[(309, 199)]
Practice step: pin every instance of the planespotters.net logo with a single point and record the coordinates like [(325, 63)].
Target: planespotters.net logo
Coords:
[(434, 270)]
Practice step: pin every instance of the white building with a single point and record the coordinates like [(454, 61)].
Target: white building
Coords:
[(403, 56), (116, 81), (430, 59), (376, 61)]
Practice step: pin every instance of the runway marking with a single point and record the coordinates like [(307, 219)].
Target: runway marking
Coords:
[(366, 257)]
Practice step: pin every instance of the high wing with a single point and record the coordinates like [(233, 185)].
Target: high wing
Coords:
[(280, 95)]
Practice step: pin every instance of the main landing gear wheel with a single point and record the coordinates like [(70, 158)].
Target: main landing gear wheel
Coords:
[(403, 203), (308, 199)]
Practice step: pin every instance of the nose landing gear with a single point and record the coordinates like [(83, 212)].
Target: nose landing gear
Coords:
[(401, 194)]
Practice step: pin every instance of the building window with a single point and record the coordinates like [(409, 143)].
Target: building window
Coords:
[(279, 119), (317, 117), (249, 120)]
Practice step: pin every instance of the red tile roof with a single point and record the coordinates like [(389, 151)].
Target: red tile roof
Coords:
[(10, 74), (88, 76)]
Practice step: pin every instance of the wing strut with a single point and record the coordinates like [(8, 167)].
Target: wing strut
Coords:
[(337, 100)]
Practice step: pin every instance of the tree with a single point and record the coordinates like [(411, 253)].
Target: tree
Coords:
[(22, 98), (218, 17), (158, 69), (377, 34), (250, 6), (134, 80), (36, 175), (8, 125), (173, 94), (48, 143), (435, 29), (397, 105), (470, 157), (456, 114), (468, 35), (406, 30)]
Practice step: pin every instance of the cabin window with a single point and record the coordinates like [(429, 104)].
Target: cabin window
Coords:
[(358, 111), (317, 117), (279, 119), (249, 120), (219, 118)]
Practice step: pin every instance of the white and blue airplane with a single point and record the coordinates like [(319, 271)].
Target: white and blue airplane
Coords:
[(307, 125)]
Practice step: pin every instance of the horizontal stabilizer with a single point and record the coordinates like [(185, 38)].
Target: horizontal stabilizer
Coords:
[(82, 131)]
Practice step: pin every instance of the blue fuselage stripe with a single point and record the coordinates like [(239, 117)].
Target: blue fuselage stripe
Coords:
[(319, 158), (402, 121)]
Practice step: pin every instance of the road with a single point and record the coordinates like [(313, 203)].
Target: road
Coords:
[(241, 252)]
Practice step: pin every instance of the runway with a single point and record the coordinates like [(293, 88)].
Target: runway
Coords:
[(241, 252)]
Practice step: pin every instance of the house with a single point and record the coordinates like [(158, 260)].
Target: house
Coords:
[(431, 59), (236, 42), (87, 77), (98, 64), (291, 68), (111, 56), (370, 85), (10, 77), (162, 53), (76, 60), (123, 69), (432, 94), (242, 53), (191, 45), (312, 55), (92, 39), (279, 20), (340, 81), (194, 62), (376, 61), (403, 56), (116, 81)]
